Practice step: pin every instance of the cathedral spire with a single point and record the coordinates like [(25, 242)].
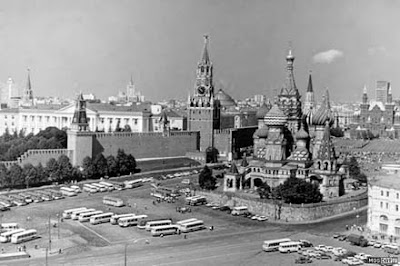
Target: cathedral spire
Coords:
[(289, 87), (310, 87), (28, 93)]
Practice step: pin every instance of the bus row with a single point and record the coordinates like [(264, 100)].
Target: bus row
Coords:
[(24, 198), (19, 235), (283, 245)]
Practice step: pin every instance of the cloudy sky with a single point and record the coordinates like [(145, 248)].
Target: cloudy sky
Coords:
[(94, 46)]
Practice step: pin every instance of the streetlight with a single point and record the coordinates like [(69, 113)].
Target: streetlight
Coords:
[(357, 216)]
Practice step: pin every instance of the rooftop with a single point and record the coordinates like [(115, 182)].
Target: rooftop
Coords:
[(386, 181)]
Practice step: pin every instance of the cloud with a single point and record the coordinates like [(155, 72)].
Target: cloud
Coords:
[(327, 57), (377, 50)]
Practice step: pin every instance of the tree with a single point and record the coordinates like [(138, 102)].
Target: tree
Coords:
[(88, 170), (112, 166), (64, 171), (52, 169), (123, 162), (4, 177), (127, 128), (100, 165), (354, 168), (15, 175), (264, 191), (29, 173), (297, 191), (206, 180), (131, 163)]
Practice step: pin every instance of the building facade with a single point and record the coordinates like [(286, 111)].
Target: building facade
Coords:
[(384, 206)]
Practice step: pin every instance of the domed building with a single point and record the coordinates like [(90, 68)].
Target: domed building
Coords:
[(291, 144), (225, 100)]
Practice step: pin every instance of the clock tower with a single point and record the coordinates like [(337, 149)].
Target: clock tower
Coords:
[(203, 108)]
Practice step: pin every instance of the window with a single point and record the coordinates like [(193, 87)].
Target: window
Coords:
[(387, 205), (397, 207), (381, 192), (387, 193), (12, 117), (381, 204), (135, 121), (397, 231), (397, 195), (383, 228)]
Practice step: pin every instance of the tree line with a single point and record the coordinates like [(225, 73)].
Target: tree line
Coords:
[(14, 145), (61, 170)]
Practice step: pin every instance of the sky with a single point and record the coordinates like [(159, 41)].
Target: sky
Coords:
[(94, 46)]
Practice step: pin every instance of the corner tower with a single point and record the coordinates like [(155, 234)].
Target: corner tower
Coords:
[(289, 97), (80, 139), (203, 108)]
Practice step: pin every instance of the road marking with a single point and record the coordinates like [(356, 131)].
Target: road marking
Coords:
[(207, 257), (94, 232)]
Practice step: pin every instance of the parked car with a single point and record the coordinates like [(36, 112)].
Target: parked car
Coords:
[(324, 257), (303, 260), (262, 218), (305, 243), (255, 217), (342, 238), (225, 208), (320, 248)]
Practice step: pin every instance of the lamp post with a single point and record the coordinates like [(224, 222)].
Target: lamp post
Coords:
[(357, 216), (49, 234), (125, 259)]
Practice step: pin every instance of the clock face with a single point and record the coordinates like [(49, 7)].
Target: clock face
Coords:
[(201, 90)]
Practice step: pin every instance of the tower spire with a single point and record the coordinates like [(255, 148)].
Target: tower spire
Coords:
[(289, 87), (79, 120), (205, 58), (310, 87), (28, 93)]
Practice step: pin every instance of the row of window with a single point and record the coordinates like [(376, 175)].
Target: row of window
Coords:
[(387, 194), (387, 206)]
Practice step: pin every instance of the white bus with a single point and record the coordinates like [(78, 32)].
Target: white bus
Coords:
[(116, 202), (85, 217), (27, 197), (273, 245), (6, 236), (101, 218), (69, 192), (56, 194), (101, 188), (67, 213), (9, 226), (75, 214), (89, 188), (287, 247), (24, 236), (239, 210), (76, 188), (164, 230), (109, 186), (129, 221), (152, 224), (114, 219), (186, 221), (192, 226), (133, 183)]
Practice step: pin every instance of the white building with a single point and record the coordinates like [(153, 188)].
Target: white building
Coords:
[(384, 205)]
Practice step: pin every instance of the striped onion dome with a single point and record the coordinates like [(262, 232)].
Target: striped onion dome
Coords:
[(323, 114), (275, 117), (302, 134)]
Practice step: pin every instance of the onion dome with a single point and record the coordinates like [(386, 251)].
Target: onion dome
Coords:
[(262, 132), (302, 134), (262, 111), (275, 117), (323, 114), (224, 99)]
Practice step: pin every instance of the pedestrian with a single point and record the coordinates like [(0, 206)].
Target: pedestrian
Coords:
[(59, 251), (24, 247), (347, 227), (184, 236), (2, 250)]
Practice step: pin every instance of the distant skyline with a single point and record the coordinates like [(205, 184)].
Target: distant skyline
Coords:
[(96, 45)]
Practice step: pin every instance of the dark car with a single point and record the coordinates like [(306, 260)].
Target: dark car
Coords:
[(324, 257), (306, 243), (225, 208), (342, 238), (303, 260)]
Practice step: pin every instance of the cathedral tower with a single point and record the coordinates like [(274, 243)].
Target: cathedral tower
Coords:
[(309, 103), (203, 108), (289, 97)]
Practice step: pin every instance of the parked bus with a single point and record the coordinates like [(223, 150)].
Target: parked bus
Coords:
[(197, 200), (186, 221), (75, 214), (67, 213), (24, 236), (101, 218), (164, 230), (288, 247), (85, 217), (114, 219), (167, 191), (89, 188), (239, 210), (101, 188), (152, 224), (109, 186), (192, 226), (6, 236), (273, 245), (6, 202), (9, 226), (130, 221), (17, 200), (45, 196), (116, 202), (133, 183), (69, 192), (76, 188), (34, 196)]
